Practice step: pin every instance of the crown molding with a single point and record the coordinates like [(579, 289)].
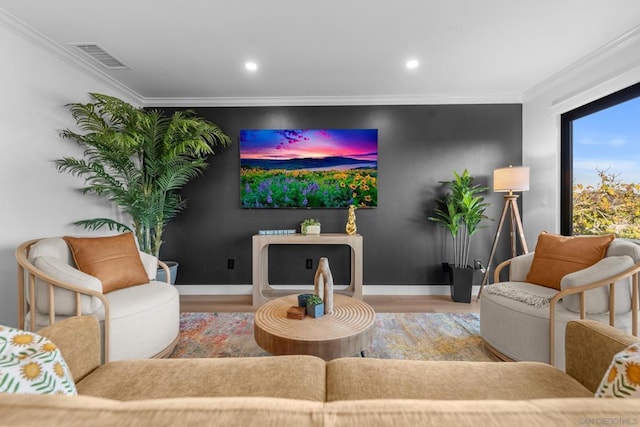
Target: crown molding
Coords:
[(600, 55), (292, 101), (598, 89), (31, 35)]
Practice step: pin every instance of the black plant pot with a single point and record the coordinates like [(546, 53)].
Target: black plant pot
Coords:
[(461, 281)]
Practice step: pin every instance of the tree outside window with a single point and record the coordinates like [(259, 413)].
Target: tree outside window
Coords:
[(601, 167)]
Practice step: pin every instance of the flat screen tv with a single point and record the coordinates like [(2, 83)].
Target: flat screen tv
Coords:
[(308, 168)]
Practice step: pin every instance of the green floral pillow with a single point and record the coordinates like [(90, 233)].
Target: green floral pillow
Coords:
[(622, 379), (32, 364)]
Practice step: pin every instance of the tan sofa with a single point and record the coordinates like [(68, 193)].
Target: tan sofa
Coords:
[(307, 391)]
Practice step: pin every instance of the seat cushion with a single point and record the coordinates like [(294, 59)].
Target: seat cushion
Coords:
[(556, 256), (82, 411), (115, 260), (145, 319)]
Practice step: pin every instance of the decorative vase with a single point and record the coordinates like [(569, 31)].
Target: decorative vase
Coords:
[(323, 284), (351, 227), (316, 310)]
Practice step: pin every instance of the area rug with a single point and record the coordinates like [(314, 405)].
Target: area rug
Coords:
[(414, 336)]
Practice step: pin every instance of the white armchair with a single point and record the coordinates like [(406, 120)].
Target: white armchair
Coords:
[(525, 321), (139, 321)]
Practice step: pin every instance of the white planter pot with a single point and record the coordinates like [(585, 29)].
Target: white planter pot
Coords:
[(311, 229)]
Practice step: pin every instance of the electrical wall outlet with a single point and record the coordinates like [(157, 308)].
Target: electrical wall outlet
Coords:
[(477, 264), (231, 264), (309, 263)]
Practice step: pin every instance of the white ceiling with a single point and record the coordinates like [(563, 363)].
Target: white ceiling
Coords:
[(340, 51)]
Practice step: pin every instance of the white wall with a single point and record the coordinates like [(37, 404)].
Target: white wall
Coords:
[(37, 201), (607, 70)]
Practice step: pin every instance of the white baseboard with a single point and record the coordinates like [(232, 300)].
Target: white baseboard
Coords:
[(367, 289)]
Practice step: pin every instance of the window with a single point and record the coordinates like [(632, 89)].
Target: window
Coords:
[(600, 166)]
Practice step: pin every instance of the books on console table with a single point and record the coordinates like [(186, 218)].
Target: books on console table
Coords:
[(277, 232), (295, 312)]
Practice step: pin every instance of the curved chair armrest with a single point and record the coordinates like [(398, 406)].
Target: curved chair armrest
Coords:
[(29, 272), (609, 281), (167, 273), (499, 268)]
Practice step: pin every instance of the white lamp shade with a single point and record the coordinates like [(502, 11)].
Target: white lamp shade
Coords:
[(511, 179)]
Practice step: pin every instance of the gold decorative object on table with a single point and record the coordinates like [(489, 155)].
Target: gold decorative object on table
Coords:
[(351, 221), (323, 284)]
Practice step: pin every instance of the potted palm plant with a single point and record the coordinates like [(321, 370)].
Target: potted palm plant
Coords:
[(461, 212), (139, 160)]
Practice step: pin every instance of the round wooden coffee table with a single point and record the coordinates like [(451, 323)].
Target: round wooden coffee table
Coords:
[(346, 332)]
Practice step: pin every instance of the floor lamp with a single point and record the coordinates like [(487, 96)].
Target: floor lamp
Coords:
[(508, 180)]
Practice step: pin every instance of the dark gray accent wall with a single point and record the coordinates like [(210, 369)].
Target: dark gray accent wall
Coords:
[(418, 146)]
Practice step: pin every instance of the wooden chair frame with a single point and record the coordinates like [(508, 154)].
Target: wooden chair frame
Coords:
[(27, 275), (632, 272)]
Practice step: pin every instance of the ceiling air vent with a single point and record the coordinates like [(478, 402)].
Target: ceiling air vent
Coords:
[(100, 55)]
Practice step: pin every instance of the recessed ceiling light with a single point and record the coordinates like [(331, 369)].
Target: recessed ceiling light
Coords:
[(412, 63), (251, 66)]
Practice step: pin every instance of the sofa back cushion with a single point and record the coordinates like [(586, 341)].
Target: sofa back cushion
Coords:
[(621, 255), (597, 300), (556, 256), (150, 264), (65, 301), (115, 260), (53, 257), (624, 247)]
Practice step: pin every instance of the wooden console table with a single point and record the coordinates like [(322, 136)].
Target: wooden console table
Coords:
[(263, 292)]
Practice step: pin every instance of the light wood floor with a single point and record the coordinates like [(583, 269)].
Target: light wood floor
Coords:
[(380, 303)]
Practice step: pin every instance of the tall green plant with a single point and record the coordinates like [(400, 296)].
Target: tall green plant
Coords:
[(139, 160), (460, 212)]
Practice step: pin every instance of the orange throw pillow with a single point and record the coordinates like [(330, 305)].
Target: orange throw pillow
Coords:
[(556, 256), (115, 260)]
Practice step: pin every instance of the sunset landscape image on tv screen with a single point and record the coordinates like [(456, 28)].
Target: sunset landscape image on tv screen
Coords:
[(309, 168)]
